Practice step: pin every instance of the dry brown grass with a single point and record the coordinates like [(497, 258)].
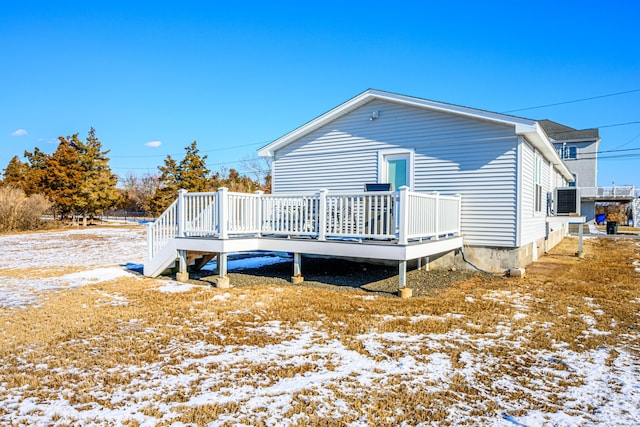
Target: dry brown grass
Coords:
[(126, 338)]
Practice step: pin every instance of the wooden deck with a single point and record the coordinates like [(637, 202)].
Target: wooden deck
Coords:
[(398, 226)]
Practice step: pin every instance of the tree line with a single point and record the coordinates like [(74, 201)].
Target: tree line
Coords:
[(76, 181)]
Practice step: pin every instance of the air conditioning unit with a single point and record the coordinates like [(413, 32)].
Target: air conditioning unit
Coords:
[(567, 201)]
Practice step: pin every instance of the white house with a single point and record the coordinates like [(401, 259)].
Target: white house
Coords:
[(503, 166), (459, 185)]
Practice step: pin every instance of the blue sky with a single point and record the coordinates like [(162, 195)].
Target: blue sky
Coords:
[(235, 77)]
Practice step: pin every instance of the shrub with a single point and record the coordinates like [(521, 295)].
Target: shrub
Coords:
[(19, 212)]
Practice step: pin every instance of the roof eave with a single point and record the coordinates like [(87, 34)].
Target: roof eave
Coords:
[(269, 149), (536, 136)]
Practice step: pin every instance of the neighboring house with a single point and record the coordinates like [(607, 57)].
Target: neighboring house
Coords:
[(503, 166), (579, 151)]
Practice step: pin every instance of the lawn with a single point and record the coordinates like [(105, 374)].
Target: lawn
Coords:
[(83, 341)]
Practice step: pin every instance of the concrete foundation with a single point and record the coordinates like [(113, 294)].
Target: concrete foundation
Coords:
[(296, 280), (554, 238), (499, 260), (223, 283), (405, 293), (440, 261), (516, 272), (182, 277)]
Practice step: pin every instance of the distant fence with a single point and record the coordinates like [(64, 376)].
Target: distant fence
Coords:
[(124, 215)]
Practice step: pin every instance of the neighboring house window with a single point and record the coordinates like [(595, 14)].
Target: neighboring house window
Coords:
[(396, 168), (568, 152), (575, 181), (538, 185)]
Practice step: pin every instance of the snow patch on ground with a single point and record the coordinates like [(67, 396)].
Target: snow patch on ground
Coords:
[(175, 287), (20, 292), (90, 247), (244, 263), (104, 253), (94, 276)]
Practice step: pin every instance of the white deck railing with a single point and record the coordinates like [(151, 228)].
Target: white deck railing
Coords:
[(398, 217), (162, 230), (290, 214), (200, 216), (621, 192)]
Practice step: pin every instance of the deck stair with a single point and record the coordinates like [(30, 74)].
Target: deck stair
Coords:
[(197, 259)]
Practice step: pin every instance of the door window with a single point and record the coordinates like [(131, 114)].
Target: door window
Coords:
[(398, 171)]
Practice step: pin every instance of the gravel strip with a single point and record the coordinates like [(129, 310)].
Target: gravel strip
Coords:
[(342, 275)]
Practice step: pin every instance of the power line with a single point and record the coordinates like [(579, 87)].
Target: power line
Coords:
[(582, 153), (208, 164), (629, 141), (619, 124), (201, 151), (595, 127), (614, 157), (574, 100)]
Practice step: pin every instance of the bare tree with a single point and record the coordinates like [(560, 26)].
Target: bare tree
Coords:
[(259, 169), (139, 189)]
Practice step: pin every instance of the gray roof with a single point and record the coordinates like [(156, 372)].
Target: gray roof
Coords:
[(560, 132)]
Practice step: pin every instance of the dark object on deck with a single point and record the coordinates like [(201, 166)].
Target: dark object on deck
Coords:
[(612, 227), (378, 186)]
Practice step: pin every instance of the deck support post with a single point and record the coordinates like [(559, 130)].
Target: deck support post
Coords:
[(426, 263), (297, 269), (403, 291), (222, 281), (182, 275)]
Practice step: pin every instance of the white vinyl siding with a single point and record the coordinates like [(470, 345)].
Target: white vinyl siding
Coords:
[(452, 154), (533, 221), (528, 226)]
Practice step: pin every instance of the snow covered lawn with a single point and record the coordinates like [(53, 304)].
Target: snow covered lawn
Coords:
[(84, 341)]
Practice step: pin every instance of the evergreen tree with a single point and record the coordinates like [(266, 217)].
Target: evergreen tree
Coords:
[(37, 163), (168, 186), (64, 175), (97, 191), (190, 174), (193, 174), (15, 173), (77, 177)]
